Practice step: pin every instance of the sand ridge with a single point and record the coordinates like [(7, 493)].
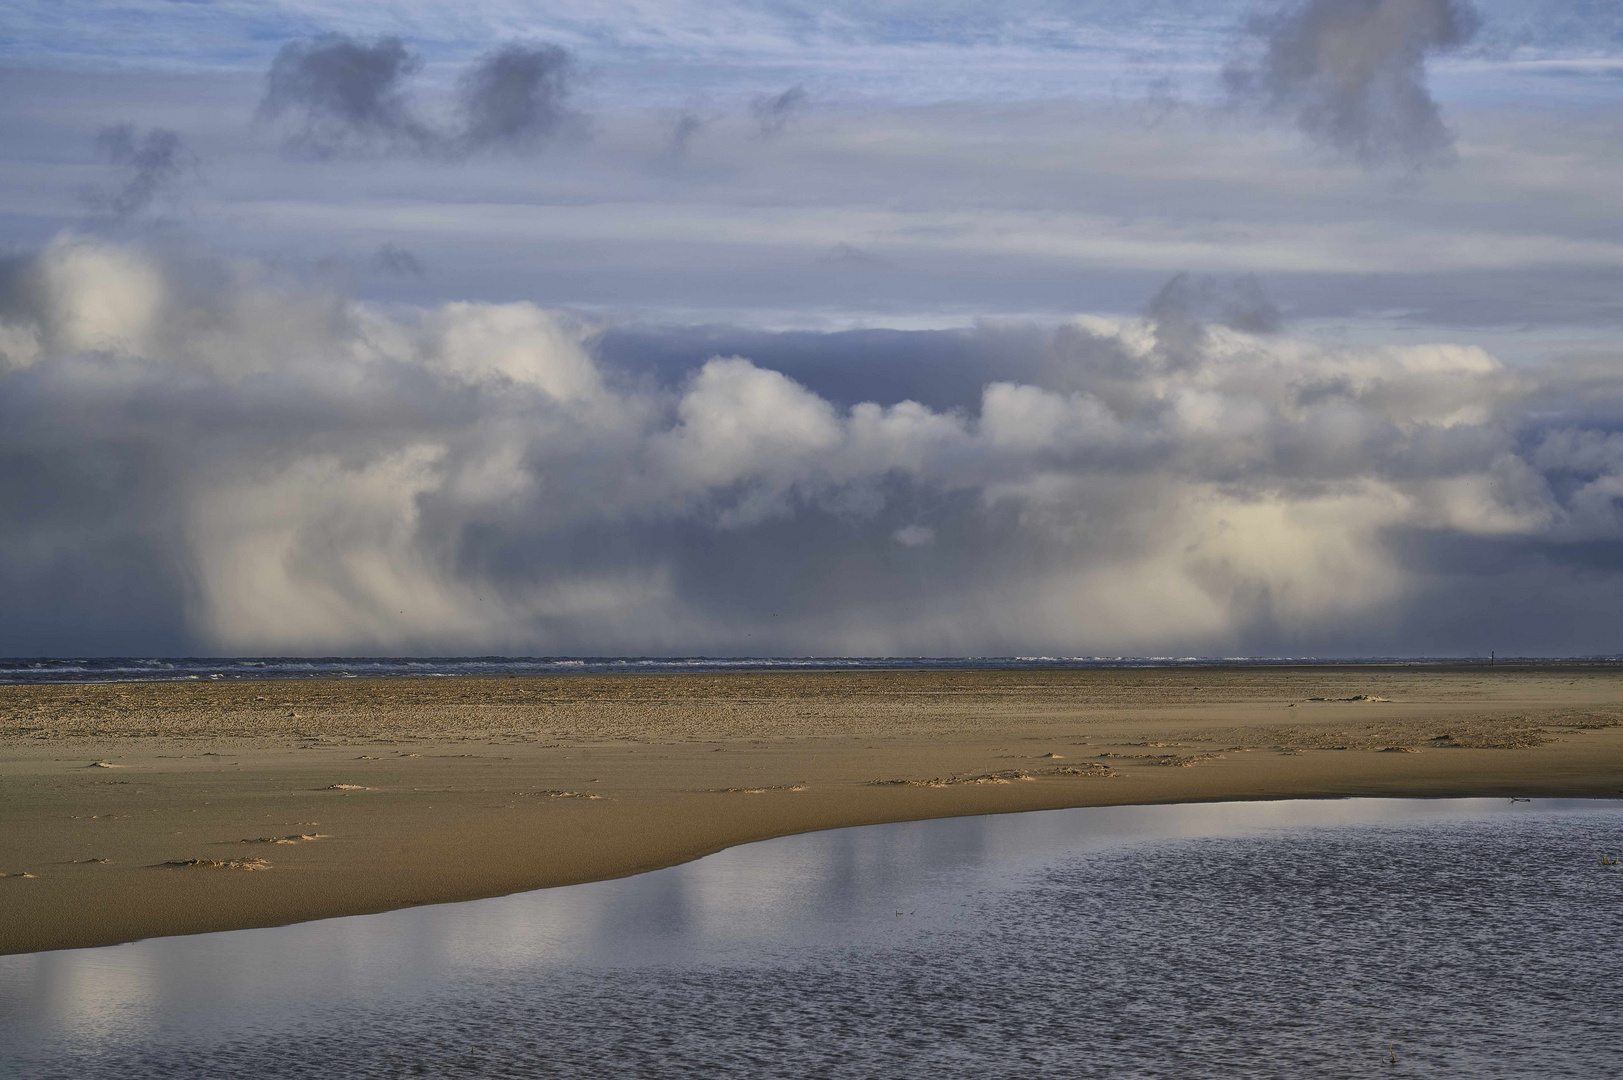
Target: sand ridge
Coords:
[(374, 794)]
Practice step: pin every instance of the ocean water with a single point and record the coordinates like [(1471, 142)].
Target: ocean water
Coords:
[(161, 669), (1465, 938)]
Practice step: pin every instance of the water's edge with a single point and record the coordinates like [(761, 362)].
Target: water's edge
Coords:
[(690, 856)]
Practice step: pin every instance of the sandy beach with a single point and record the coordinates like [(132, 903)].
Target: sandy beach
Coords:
[(139, 809)]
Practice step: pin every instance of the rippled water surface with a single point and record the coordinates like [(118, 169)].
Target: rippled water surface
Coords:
[(1475, 938), (197, 669)]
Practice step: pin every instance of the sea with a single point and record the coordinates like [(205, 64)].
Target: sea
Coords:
[(175, 669)]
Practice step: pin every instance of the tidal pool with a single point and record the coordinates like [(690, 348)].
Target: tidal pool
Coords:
[(1468, 938)]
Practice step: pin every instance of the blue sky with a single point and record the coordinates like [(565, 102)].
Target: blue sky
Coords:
[(1192, 327), (219, 33)]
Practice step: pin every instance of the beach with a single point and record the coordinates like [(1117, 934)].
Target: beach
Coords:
[(149, 808)]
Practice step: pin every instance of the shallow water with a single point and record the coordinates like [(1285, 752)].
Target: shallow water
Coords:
[(1290, 939)]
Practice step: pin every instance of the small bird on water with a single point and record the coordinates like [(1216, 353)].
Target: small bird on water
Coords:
[(1393, 1060)]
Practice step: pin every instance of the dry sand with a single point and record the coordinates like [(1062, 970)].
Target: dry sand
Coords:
[(131, 810)]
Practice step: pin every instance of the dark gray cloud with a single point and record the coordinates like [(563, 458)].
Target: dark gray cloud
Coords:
[(1245, 306), (517, 98), (773, 112), (345, 95), (154, 164), (684, 130), (1353, 72), (396, 261), (197, 460), (348, 96), (1188, 304)]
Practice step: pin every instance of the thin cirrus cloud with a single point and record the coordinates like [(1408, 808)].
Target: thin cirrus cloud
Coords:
[(343, 96), (280, 469), (1352, 73)]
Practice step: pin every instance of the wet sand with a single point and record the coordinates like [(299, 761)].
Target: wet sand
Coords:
[(136, 809)]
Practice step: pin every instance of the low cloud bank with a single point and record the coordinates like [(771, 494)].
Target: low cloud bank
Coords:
[(196, 456)]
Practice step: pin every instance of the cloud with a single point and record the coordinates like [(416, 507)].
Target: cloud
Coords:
[(348, 96), (156, 162), (684, 130), (516, 97), (1183, 309), (1214, 198), (773, 112), (396, 262), (199, 456), (1352, 73), (853, 257)]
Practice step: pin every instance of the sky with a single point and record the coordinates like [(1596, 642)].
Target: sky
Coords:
[(768, 328)]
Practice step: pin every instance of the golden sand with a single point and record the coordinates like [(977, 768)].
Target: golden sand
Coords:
[(125, 807)]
